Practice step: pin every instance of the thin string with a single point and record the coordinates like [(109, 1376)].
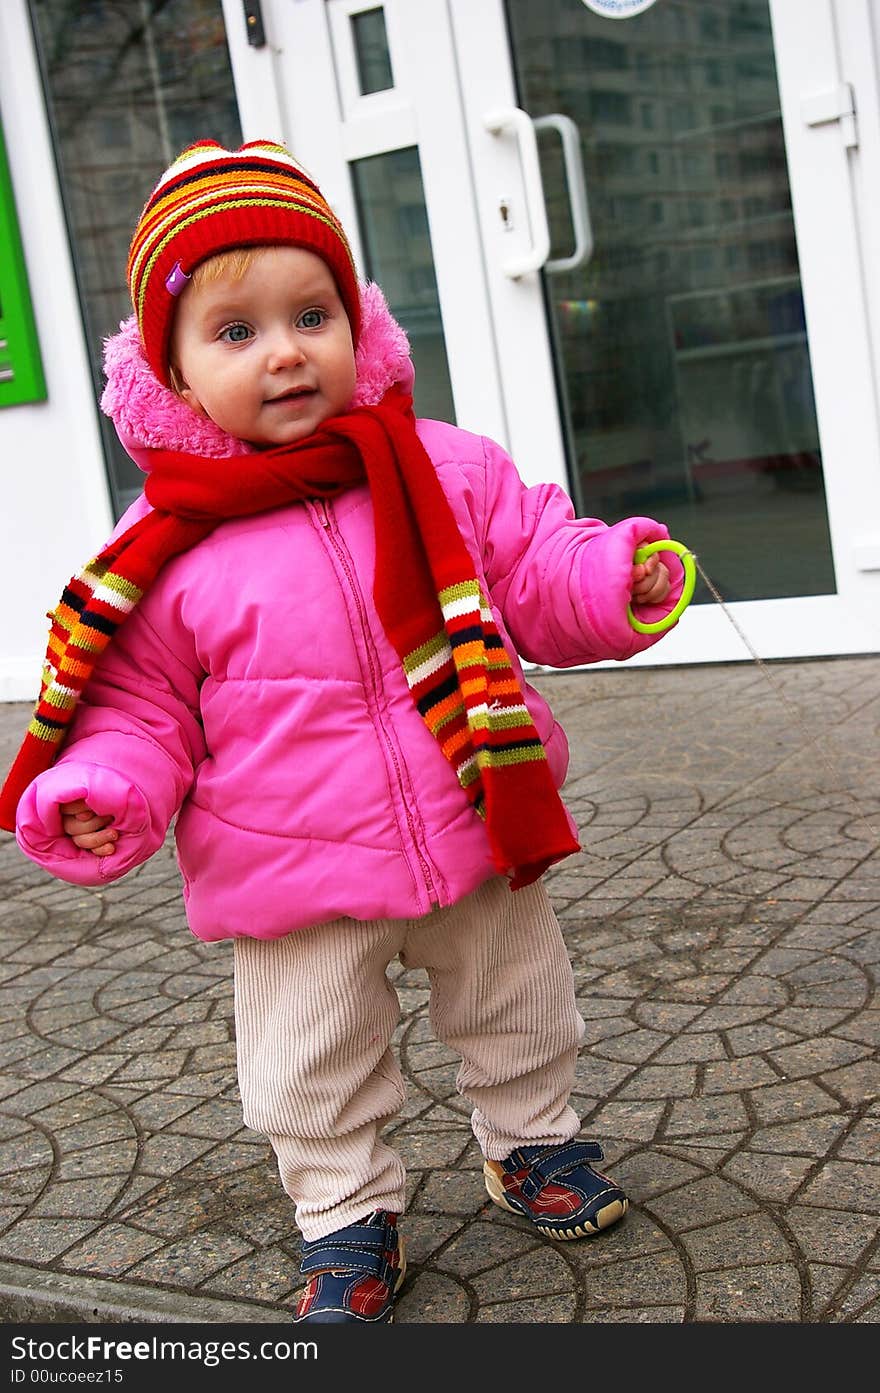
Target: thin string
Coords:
[(831, 766)]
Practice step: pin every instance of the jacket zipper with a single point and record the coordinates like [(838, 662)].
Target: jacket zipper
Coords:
[(343, 557)]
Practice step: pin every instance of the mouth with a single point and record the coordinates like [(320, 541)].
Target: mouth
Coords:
[(293, 394)]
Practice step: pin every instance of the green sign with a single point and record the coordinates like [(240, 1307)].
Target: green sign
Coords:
[(21, 369)]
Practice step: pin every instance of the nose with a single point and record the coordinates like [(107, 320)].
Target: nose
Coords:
[(285, 349)]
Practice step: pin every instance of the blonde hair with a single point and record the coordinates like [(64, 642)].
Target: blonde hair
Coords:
[(233, 264)]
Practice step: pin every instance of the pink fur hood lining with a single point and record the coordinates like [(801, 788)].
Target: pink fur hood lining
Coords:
[(148, 415)]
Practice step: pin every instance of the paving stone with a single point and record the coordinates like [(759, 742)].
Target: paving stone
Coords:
[(667, 1016), (13, 1127), (692, 1047), (450, 1192), (166, 1153), (749, 1039), (477, 1247), (699, 1202), (191, 1261), (216, 1119), (96, 1069), (75, 1197), (216, 1162), (631, 1048), (734, 1075), (863, 1142), (644, 1315), (152, 1111), (212, 1058), (745, 1241), (753, 989), (828, 1283), (813, 1057), (111, 1158), (856, 1083), (269, 1275), (636, 1235), (25, 1152), (110, 1126), (163, 1064), (718, 1017), (642, 1281), (544, 1268), (632, 1121), (771, 1292), (862, 1299), (716, 1113), (853, 1185), (601, 1008), (427, 1236), (707, 1157), (432, 1297), (544, 1310), (438, 1082), (44, 1240), (25, 1185), (832, 1233), (606, 1029), (646, 1174), (786, 1101), (671, 1081), (864, 1027), (775, 1179), (812, 1138), (810, 1020), (434, 1148)]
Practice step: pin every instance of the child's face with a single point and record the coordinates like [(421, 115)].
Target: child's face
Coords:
[(268, 355)]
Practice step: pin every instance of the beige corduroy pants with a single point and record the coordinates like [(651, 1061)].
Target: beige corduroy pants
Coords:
[(315, 1013)]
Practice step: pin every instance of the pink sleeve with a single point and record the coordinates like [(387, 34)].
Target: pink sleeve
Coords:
[(563, 583), (107, 792), (131, 754)]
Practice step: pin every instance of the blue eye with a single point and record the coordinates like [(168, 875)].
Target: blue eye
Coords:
[(311, 319), (236, 333)]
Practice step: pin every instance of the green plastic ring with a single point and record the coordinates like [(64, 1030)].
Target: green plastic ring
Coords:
[(690, 580)]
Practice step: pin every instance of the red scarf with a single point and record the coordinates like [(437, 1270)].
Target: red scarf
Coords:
[(426, 592)]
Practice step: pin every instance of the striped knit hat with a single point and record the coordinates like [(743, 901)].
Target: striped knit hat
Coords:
[(210, 200)]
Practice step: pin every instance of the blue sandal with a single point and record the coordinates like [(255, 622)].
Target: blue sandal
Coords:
[(354, 1273)]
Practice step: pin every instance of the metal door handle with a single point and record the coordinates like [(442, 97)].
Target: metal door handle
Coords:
[(579, 207), (515, 119)]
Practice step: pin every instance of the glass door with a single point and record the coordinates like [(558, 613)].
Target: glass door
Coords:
[(702, 291), (609, 242), (368, 95), (681, 340), (127, 85)]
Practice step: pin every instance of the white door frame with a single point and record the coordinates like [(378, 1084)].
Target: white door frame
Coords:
[(328, 125), (452, 66)]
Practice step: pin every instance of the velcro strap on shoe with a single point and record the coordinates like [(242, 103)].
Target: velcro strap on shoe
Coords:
[(559, 1162), (358, 1248)]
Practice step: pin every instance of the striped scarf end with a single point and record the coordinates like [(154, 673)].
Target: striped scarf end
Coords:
[(48, 732)]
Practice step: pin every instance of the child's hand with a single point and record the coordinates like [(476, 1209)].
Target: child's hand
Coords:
[(86, 828), (650, 581)]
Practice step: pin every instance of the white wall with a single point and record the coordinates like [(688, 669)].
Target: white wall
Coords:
[(54, 498)]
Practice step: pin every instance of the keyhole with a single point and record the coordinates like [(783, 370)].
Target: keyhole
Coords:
[(506, 215)]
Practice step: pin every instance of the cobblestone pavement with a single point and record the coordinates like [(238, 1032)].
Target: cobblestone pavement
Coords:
[(723, 923)]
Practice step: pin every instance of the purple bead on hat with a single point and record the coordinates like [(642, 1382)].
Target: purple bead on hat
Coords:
[(177, 280)]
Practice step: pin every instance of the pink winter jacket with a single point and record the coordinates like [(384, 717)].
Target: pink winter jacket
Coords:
[(254, 696)]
